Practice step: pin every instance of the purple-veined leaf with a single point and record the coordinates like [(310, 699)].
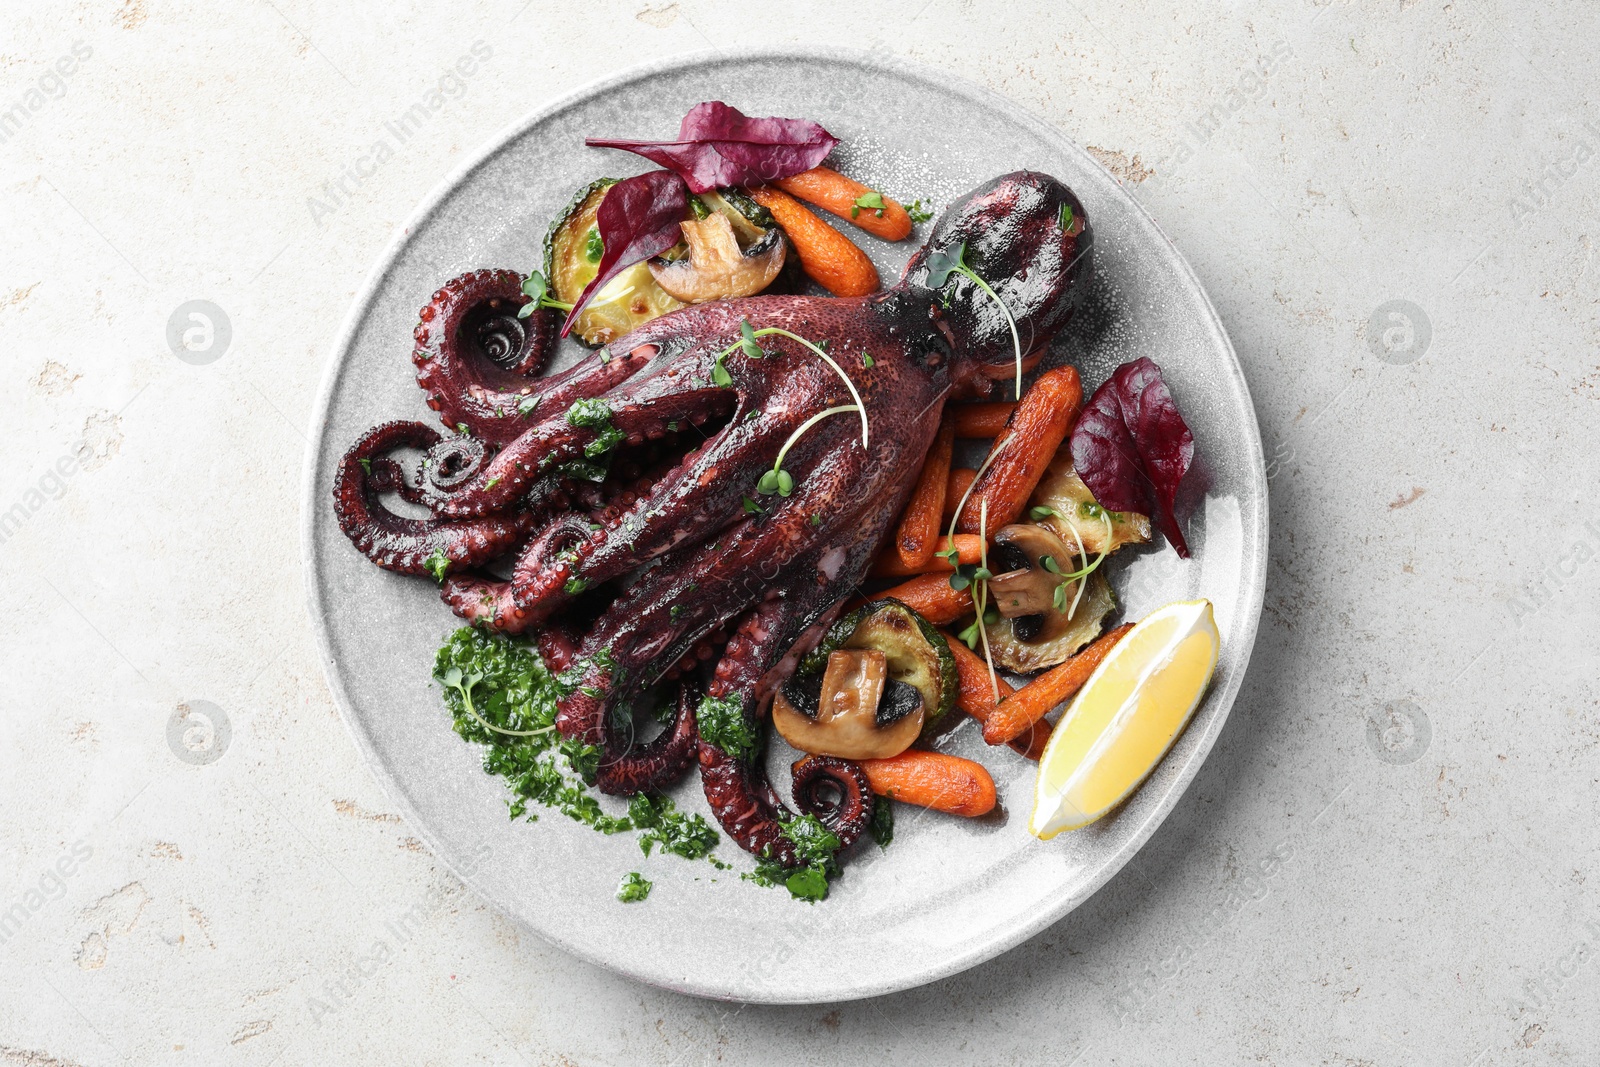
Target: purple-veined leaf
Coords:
[(1131, 447), (719, 146), (638, 218)]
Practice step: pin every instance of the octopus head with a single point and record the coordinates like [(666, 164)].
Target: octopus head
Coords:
[(1025, 236)]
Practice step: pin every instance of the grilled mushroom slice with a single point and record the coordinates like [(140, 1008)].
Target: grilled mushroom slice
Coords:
[(1044, 621), (852, 710), (716, 268), (1028, 585)]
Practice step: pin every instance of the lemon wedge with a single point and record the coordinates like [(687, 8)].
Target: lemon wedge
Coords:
[(1125, 717)]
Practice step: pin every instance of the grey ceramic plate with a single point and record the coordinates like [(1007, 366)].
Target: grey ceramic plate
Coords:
[(949, 893)]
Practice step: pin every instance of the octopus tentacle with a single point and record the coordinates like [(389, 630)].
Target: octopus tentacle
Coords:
[(741, 798), (484, 601), (628, 770), (698, 499), (474, 354), (554, 439), (387, 476), (848, 815), (648, 629), (763, 654), (404, 544), (558, 647), (631, 532)]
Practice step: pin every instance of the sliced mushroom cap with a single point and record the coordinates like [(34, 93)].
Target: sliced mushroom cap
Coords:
[(715, 267), (1034, 642), (1029, 588), (852, 710)]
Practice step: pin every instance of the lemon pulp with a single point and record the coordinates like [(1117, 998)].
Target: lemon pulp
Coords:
[(1125, 717)]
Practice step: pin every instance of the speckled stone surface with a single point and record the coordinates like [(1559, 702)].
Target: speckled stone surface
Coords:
[(1384, 858)]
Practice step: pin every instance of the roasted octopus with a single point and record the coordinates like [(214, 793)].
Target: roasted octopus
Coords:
[(623, 490)]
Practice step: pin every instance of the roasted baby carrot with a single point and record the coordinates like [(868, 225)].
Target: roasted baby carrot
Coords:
[(1013, 715), (974, 696), (842, 196), (930, 596), (933, 780), (969, 548), (829, 257), (987, 419), (1020, 454), (960, 478), (919, 523)]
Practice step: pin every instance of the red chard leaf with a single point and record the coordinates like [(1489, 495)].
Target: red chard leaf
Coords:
[(1131, 447), (719, 146), (638, 218)]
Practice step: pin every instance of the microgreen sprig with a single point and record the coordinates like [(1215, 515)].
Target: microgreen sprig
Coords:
[(537, 290), (981, 593), (777, 480), (1081, 575), (462, 684), (747, 341), (945, 262)]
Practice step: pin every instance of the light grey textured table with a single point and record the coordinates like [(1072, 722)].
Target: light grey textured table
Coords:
[(1385, 859)]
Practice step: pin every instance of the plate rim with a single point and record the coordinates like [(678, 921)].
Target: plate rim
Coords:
[(1256, 540)]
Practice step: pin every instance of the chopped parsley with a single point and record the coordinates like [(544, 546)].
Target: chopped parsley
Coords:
[(882, 827), (593, 246), (659, 822), (592, 414), (872, 200), (814, 846), (918, 211), (634, 886), (438, 563), (589, 470), (575, 586), (722, 723), (527, 405), (500, 695), (607, 439)]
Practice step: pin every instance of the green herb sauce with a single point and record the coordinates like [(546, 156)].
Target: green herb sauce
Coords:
[(633, 887), (512, 689), (722, 723), (815, 847)]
